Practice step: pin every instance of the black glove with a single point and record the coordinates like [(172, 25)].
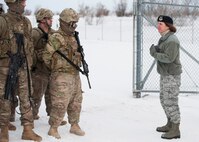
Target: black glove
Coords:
[(157, 48)]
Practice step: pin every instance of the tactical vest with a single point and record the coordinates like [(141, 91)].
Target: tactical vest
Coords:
[(8, 40), (69, 49), (39, 45), (40, 42)]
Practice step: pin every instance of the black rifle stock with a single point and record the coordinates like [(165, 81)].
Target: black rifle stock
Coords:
[(84, 64), (16, 61)]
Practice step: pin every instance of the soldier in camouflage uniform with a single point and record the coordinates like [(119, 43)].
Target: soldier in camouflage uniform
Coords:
[(40, 73), (169, 67), (15, 102), (65, 83), (11, 23)]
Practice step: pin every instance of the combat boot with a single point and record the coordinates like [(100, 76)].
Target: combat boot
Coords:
[(11, 127), (75, 129), (54, 132), (165, 128), (173, 133), (4, 136), (29, 134)]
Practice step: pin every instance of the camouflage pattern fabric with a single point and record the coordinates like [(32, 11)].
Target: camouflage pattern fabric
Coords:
[(43, 13), (69, 15), (66, 96), (10, 1), (40, 75), (65, 84), (40, 82), (68, 46), (10, 23), (169, 91)]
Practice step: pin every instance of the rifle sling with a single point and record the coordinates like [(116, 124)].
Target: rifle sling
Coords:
[(70, 62), (20, 43)]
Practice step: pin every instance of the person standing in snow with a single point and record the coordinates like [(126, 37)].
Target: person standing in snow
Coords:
[(16, 41), (167, 54), (65, 84), (15, 102), (40, 73)]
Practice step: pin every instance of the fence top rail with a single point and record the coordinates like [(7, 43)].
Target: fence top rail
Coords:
[(173, 4), (157, 91)]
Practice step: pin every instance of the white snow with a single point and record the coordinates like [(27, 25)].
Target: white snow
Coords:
[(109, 111)]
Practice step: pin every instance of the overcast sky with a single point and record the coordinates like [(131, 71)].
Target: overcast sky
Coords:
[(58, 5)]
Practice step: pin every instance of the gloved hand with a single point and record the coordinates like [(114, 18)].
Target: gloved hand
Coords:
[(157, 48), (154, 49)]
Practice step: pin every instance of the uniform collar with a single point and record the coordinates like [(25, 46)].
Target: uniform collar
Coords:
[(164, 33), (163, 38)]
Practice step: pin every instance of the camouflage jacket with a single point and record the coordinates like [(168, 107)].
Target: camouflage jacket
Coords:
[(11, 23), (40, 39), (67, 44)]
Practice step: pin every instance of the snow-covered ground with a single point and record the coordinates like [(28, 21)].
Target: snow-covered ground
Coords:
[(109, 111)]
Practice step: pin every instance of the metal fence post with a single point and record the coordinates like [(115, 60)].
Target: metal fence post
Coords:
[(138, 53)]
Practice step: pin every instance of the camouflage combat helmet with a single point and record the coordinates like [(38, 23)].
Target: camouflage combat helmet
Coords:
[(43, 13), (69, 15), (12, 1), (9, 1)]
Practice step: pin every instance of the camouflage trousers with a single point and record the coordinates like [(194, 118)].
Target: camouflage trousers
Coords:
[(40, 83), (66, 96), (169, 91), (23, 95)]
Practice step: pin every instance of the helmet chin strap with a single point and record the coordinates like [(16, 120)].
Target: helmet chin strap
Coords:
[(49, 26)]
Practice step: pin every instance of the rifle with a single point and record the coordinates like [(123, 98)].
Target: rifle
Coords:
[(16, 61), (84, 64)]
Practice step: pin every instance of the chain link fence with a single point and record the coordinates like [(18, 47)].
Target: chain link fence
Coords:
[(108, 28), (146, 78)]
